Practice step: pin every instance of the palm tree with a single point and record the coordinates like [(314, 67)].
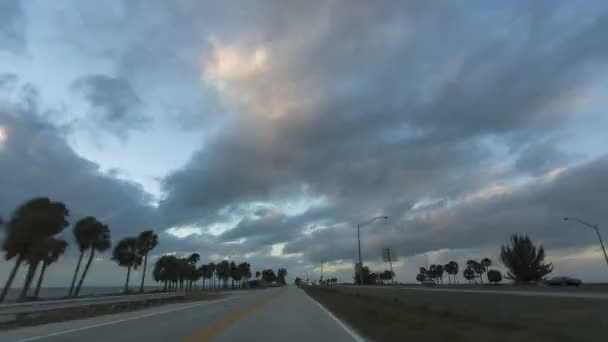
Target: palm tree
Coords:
[(452, 269), (469, 274), (193, 258), (223, 271), (486, 263), (477, 268), (96, 238), (439, 272), (54, 248), (204, 271), (524, 260), (32, 222), (233, 273), (166, 270), (432, 272), (126, 254), (245, 271), (146, 241), (281, 274), (84, 232), (211, 267)]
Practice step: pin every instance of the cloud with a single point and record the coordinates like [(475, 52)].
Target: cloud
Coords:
[(455, 120), (536, 209), (37, 161), (12, 26), (114, 103)]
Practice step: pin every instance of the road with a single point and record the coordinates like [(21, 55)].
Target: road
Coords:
[(279, 314)]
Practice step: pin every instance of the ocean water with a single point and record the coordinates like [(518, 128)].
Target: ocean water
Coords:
[(60, 292)]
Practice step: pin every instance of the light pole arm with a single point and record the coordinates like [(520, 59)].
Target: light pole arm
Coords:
[(584, 223), (599, 237), (597, 231)]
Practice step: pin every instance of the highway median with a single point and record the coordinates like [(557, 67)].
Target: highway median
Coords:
[(399, 314)]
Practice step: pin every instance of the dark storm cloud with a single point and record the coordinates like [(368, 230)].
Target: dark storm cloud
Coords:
[(536, 210), (36, 160), (400, 132), (114, 103), (12, 26), (395, 102)]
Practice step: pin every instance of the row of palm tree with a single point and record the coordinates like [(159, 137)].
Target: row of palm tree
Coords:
[(473, 270), (522, 258), (436, 272), (30, 238), (130, 252), (183, 273)]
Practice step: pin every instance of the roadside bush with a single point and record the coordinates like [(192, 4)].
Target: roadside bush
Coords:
[(494, 276)]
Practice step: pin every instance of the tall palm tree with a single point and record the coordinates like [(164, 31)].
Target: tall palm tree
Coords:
[(469, 274), (477, 268), (223, 272), (244, 271), (281, 274), (126, 254), (452, 269), (54, 248), (485, 264), (146, 241), (204, 271), (97, 238), (234, 272), (524, 260), (439, 272), (84, 232), (32, 222)]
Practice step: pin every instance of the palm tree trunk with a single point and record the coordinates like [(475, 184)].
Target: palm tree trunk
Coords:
[(143, 275), (40, 277), (127, 281), (31, 271), (84, 273), (75, 273), (165, 286), (10, 279)]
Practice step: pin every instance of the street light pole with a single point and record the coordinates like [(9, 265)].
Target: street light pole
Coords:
[(597, 232), (360, 266)]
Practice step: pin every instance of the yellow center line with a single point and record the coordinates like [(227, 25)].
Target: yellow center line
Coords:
[(208, 332)]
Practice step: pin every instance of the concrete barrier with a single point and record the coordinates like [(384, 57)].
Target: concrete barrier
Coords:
[(49, 305)]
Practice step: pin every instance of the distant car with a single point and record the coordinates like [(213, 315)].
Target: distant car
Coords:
[(428, 282), (563, 281)]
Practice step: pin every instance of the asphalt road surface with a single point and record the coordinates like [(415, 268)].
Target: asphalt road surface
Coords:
[(280, 314)]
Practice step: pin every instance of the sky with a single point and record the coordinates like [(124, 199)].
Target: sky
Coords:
[(266, 130)]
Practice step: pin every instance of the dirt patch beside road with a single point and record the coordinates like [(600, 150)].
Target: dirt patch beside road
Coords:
[(398, 315)]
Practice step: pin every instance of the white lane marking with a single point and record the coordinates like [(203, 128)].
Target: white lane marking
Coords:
[(120, 320), (343, 325)]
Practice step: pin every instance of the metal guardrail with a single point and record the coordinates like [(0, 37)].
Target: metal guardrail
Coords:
[(48, 305)]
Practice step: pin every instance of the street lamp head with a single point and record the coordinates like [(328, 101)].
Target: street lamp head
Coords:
[(565, 219), (385, 217)]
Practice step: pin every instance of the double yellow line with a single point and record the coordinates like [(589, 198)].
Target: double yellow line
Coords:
[(210, 331)]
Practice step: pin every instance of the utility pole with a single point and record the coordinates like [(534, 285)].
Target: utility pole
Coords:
[(390, 262), (360, 267), (321, 279)]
